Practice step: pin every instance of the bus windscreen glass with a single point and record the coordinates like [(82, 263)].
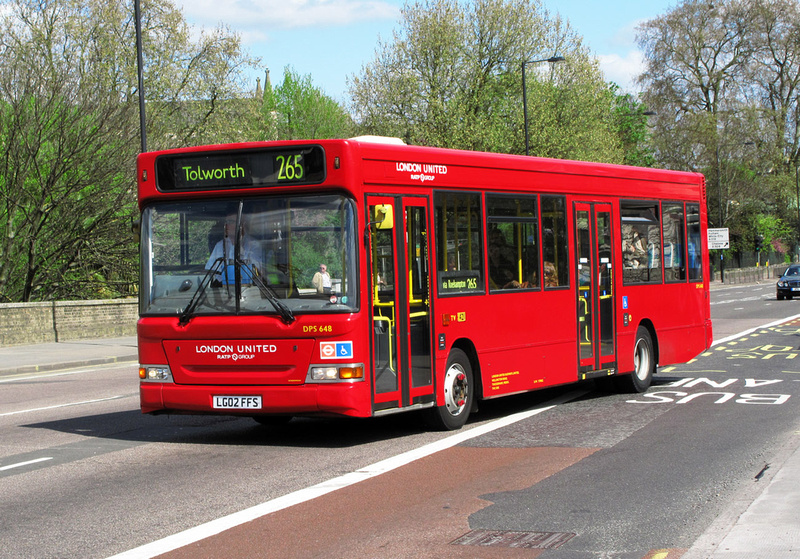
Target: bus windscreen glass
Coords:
[(192, 256)]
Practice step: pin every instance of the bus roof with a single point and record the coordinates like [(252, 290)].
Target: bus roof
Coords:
[(376, 160)]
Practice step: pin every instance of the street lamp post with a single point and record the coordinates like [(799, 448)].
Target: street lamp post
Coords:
[(525, 93), (140, 71)]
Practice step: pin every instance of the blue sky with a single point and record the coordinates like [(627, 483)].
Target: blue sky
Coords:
[(331, 40)]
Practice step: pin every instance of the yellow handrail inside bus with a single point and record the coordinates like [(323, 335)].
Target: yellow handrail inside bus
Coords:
[(582, 314), (390, 327)]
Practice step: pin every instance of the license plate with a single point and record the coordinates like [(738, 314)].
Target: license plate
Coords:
[(796, 289), (237, 402)]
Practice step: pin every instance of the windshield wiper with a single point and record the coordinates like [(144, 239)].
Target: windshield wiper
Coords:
[(285, 312), (197, 296)]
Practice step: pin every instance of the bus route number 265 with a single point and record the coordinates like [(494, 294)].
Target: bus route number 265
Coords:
[(290, 167)]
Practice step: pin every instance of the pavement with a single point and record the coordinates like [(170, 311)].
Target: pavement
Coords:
[(763, 522), (59, 356)]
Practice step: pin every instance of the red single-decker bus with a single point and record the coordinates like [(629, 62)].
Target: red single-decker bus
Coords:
[(365, 277)]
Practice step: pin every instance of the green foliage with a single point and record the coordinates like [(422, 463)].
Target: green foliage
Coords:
[(296, 109), (773, 231), (452, 77), (631, 123), (69, 130), (723, 78)]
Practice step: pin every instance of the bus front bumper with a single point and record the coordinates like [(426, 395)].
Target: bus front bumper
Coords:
[(349, 399)]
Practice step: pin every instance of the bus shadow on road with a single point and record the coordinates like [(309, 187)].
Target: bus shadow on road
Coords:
[(300, 432), (133, 426)]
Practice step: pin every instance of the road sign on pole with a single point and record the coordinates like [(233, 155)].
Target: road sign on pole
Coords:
[(718, 239)]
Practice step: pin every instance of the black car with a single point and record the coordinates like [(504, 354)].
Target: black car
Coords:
[(789, 283)]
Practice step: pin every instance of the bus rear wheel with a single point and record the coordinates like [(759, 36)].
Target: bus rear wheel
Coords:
[(459, 394), (644, 365)]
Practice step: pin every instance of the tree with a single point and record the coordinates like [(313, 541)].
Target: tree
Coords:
[(451, 77), (631, 123), (296, 109), (69, 134), (723, 78)]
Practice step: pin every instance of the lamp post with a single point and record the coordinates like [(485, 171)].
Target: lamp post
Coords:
[(138, 17), (525, 92), (719, 192)]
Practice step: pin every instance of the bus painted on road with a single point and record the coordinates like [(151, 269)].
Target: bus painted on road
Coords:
[(366, 277)]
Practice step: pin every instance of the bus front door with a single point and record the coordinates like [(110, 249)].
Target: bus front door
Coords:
[(402, 371), (596, 350)]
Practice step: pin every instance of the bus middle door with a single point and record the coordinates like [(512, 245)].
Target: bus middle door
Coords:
[(402, 371), (596, 350)]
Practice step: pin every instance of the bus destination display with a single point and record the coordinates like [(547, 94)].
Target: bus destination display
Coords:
[(241, 169)]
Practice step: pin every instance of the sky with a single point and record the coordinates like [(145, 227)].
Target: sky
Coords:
[(331, 40)]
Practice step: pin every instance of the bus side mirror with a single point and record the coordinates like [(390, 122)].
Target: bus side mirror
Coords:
[(383, 217)]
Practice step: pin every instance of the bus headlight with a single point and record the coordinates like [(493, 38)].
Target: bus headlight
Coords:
[(324, 373), (333, 373), (155, 373)]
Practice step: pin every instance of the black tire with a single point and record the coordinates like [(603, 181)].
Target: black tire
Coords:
[(780, 297), (459, 394), (644, 365)]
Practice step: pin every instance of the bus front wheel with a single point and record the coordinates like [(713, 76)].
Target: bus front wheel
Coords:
[(458, 393)]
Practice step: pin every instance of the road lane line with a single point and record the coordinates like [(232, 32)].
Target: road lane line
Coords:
[(751, 330), (67, 405), (21, 464), (44, 374), (219, 525)]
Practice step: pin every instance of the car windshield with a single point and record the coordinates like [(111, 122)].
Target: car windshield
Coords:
[(792, 271), (269, 255)]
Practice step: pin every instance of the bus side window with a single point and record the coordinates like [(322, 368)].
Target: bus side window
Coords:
[(641, 242), (459, 242), (674, 244), (554, 241), (512, 242), (694, 261)]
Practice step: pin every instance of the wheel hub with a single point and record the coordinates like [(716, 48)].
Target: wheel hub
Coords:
[(456, 390)]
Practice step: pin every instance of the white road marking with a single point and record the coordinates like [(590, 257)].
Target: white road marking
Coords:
[(65, 405), (213, 527), (93, 369), (21, 464), (751, 330)]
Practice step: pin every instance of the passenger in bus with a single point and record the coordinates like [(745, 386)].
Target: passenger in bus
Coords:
[(322, 280), (501, 262), (634, 253), (550, 275), (222, 256), (451, 263)]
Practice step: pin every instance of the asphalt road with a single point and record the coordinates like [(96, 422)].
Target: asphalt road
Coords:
[(579, 473)]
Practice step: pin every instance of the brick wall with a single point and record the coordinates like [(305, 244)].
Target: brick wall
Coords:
[(33, 323)]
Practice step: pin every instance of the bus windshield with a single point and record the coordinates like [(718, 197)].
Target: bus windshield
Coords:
[(265, 255)]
